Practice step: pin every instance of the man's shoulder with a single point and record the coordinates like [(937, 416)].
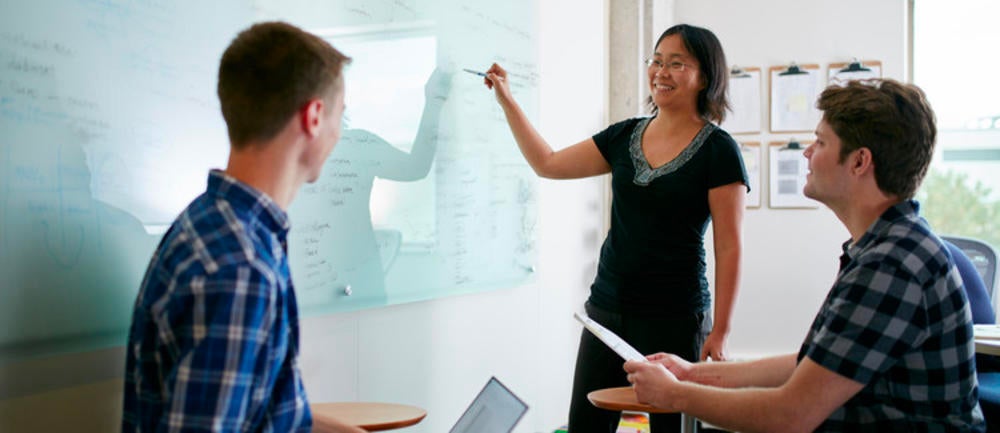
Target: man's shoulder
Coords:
[(208, 237), (209, 253), (908, 250), (909, 240)]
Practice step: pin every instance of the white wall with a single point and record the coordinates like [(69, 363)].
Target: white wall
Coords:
[(791, 256), (435, 354)]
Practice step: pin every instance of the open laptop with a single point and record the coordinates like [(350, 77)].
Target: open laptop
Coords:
[(495, 410)]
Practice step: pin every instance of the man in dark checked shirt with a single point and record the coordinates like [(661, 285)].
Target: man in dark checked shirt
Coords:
[(891, 349), (214, 340)]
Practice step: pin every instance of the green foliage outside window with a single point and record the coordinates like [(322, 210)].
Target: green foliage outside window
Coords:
[(955, 206)]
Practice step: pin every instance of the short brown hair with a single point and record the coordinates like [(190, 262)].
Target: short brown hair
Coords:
[(713, 100), (893, 120), (268, 72)]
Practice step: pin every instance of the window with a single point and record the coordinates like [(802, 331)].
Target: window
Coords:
[(955, 63)]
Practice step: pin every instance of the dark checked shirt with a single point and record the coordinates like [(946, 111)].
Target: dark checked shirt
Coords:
[(897, 320), (214, 339)]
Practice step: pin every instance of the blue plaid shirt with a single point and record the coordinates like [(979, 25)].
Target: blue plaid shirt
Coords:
[(898, 321), (214, 339)]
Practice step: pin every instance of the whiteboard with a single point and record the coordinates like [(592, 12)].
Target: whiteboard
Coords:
[(110, 124)]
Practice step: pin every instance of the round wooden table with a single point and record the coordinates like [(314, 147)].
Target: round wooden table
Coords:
[(623, 398), (370, 416)]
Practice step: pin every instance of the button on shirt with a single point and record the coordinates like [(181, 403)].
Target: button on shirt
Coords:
[(214, 339), (898, 321)]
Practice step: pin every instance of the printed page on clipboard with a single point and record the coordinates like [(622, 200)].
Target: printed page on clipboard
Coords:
[(613, 341)]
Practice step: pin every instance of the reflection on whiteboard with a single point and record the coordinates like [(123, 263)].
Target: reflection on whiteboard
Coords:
[(788, 170), (390, 132), (101, 134), (419, 198), (393, 115)]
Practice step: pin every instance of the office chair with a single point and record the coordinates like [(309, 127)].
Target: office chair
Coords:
[(976, 288), (987, 367), (983, 257)]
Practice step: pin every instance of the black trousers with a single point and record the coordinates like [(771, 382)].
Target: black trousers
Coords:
[(597, 366)]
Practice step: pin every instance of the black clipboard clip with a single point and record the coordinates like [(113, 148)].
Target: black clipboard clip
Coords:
[(738, 72), (855, 66), (793, 69), (793, 144)]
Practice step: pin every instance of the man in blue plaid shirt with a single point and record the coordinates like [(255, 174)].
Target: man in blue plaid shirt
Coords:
[(891, 349), (214, 340)]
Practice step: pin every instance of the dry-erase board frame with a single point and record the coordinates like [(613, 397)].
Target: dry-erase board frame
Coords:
[(787, 168), (793, 98), (745, 96), (835, 76), (752, 159)]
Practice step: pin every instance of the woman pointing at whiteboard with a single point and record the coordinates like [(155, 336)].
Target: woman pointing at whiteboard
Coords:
[(671, 174)]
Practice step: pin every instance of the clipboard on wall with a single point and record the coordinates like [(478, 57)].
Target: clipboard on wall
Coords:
[(744, 94), (840, 73), (752, 161), (787, 169), (794, 89)]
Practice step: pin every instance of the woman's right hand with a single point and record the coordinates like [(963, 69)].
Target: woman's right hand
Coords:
[(496, 79)]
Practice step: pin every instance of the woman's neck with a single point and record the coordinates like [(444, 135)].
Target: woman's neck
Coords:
[(677, 120)]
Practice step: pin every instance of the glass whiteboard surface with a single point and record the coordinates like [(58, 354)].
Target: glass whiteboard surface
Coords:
[(111, 123)]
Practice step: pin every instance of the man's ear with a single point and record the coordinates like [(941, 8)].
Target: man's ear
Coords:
[(861, 161), (311, 115)]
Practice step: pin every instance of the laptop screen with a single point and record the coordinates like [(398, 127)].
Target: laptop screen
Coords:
[(495, 410)]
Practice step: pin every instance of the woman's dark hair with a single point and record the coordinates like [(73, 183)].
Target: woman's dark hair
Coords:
[(713, 100)]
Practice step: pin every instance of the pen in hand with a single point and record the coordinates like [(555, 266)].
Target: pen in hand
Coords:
[(494, 79)]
